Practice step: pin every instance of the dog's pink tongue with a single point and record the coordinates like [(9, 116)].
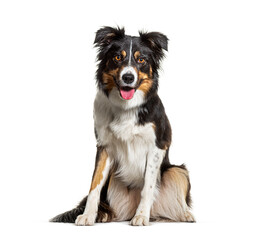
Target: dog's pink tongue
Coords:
[(127, 94)]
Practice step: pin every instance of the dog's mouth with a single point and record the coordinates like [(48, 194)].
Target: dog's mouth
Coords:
[(127, 93)]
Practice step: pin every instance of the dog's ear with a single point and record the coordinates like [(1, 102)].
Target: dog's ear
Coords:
[(154, 40), (106, 35), (157, 42)]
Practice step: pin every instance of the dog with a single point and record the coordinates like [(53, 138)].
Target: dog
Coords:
[(133, 179)]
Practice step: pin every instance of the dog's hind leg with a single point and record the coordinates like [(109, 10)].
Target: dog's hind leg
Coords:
[(173, 201)]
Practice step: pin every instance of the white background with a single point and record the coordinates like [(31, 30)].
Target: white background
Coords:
[(47, 87)]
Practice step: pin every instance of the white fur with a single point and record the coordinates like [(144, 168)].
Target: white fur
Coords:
[(130, 145), (129, 69), (130, 53), (125, 141), (169, 203), (154, 159)]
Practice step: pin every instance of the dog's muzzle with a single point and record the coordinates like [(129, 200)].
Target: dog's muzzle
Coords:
[(128, 80)]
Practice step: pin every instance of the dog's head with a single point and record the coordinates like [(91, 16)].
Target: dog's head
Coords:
[(128, 66)]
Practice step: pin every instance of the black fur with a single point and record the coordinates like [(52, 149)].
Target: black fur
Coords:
[(110, 42), (153, 111), (105, 36), (152, 45), (157, 42)]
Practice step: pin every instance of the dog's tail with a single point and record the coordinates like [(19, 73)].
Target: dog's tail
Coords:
[(70, 216)]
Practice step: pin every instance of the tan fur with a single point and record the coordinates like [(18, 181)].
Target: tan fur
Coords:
[(137, 55), (142, 76), (171, 202), (99, 170), (123, 54), (151, 71), (108, 79), (111, 35), (169, 205), (146, 84)]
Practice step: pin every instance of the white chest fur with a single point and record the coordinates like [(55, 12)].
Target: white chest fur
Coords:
[(126, 142)]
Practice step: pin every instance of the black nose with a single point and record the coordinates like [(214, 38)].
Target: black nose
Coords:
[(128, 78)]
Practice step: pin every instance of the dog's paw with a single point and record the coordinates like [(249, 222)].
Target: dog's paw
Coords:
[(85, 220), (140, 221), (189, 217), (104, 218)]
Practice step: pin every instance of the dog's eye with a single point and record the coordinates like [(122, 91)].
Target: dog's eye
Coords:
[(118, 58), (141, 60)]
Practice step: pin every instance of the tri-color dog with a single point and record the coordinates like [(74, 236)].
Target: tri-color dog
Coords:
[(133, 178)]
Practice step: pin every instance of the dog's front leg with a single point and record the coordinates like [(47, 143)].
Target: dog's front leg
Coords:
[(142, 216), (100, 175)]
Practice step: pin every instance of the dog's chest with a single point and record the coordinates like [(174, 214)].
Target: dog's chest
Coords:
[(127, 142)]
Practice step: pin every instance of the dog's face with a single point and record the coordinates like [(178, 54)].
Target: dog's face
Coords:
[(127, 64)]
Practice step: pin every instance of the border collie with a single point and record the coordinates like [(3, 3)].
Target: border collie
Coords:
[(133, 178)]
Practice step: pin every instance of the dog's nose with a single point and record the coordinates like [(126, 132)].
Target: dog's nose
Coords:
[(128, 78)]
